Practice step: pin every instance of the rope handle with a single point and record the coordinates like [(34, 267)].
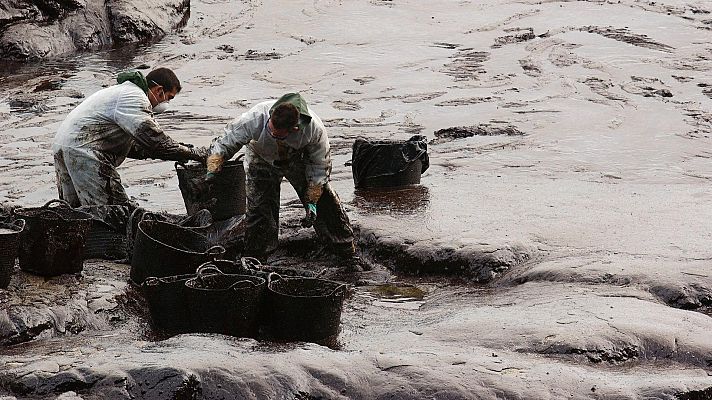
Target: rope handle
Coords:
[(20, 223), (62, 203), (270, 277), (251, 263), (342, 286), (205, 268), (215, 251)]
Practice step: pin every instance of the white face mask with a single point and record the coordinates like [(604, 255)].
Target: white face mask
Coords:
[(160, 107)]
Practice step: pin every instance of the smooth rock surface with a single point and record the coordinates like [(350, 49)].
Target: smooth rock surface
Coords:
[(43, 29), (568, 189)]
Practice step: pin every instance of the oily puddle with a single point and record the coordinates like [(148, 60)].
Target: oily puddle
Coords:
[(393, 295)]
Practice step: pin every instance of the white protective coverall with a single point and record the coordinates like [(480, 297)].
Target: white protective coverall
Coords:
[(97, 136), (304, 159)]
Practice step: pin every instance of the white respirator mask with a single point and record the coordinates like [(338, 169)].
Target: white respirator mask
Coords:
[(160, 107)]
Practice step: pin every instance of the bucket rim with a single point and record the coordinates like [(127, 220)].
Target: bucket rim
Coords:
[(31, 212), (340, 286), (16, 226), (153, 281), (255, 282), (192, 232)]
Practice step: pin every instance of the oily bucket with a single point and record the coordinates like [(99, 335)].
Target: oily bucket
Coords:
[(9, 243), (168, 302), (107, 238), (389, 163), (408, 176), (105, 242), (306, 309), (228, 189), (53, 240), (163, 249), (225, 303)]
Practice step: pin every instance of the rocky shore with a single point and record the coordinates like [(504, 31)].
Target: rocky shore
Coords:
[(558, 246), (32, 30)]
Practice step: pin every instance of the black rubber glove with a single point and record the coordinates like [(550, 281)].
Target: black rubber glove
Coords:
[(199, 154), (310, 217)]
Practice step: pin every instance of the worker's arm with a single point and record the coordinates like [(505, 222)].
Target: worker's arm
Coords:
[(237, 133), (134, 116), (318, 160)]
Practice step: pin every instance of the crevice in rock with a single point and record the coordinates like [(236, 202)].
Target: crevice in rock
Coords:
[(461, 132), (613, 356), (704, 394)]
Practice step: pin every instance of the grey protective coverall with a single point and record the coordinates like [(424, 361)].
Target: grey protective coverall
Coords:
[(97, 136), (304, 159)]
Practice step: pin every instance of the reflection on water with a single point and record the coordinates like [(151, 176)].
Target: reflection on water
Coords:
[(392, 295), (107, 61), (402, 200)]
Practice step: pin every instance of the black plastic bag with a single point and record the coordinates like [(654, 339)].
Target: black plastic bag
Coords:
[(375, 159)]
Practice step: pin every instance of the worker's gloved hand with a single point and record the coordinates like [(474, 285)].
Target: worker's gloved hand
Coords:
[(199, 154), (310, 217)]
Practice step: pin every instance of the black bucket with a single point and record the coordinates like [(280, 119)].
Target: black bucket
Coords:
[(53, 241), (389, 163), (106, 243), (306, 309), (228, 189), (409, 176), (168, 303), (225, 303), (9, 243), (163, 249)]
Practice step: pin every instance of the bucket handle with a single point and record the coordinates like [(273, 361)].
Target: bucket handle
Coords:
[(151, 281), (270, 277), (148, 216), (343, 286), (62, 203), (204, 268), (251, 263), (20, 223), (215, 251)]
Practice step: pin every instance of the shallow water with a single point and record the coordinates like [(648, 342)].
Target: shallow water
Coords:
[(405, 297)]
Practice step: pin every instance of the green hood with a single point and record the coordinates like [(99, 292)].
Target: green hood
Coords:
[(297, 101), (135, 77)]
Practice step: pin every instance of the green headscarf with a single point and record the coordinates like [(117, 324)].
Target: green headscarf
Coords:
[(297, 101), (136, 77)]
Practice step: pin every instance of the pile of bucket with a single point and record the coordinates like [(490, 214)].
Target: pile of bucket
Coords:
[(48, 240), (246, 302), (188, 288)]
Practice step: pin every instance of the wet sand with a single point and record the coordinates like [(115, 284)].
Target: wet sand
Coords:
[(574, 203)]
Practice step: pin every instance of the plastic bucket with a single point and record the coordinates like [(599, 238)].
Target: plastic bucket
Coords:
[(409, 176), (225, 303), (388, 163), (163, 249), (306, 309), (168, 302), (9, 243), (53, 241), (105, 243), (228, 190)]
